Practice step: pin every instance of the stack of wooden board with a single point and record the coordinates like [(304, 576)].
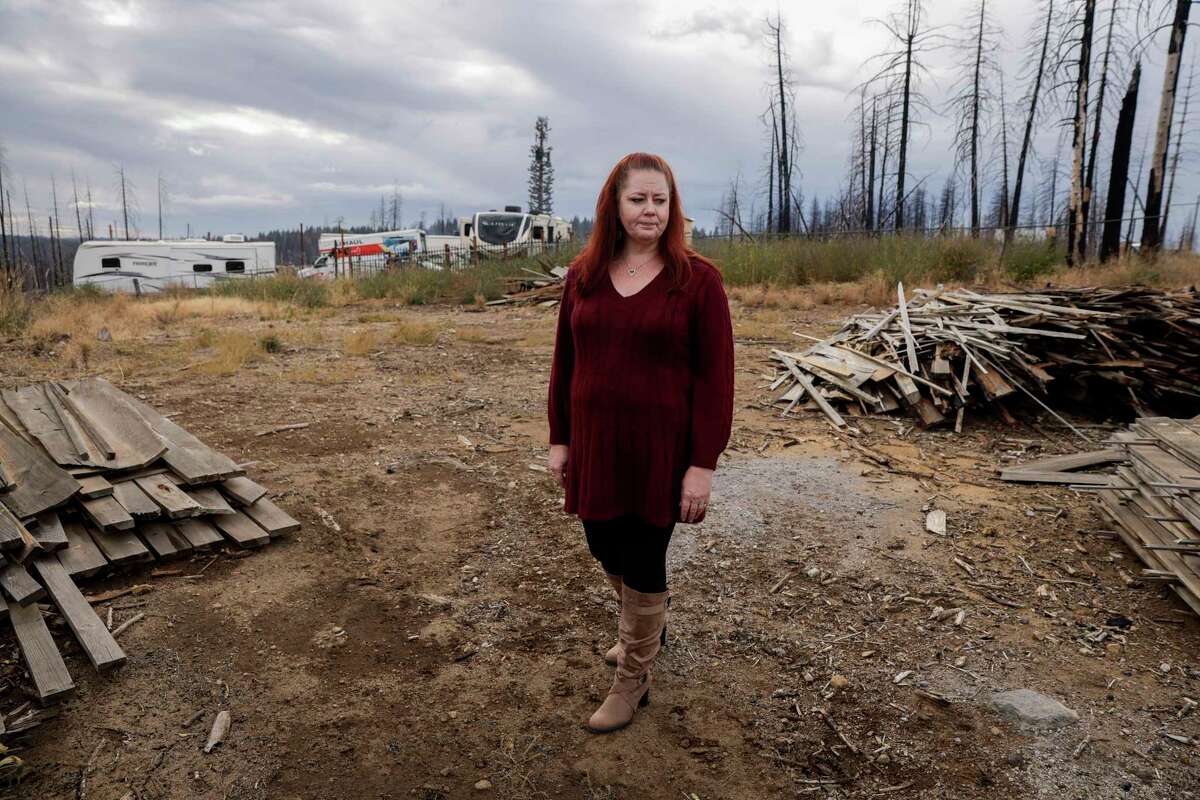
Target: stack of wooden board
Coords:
[(535, 288), (939, 351), (94, 481), (1155, 501)]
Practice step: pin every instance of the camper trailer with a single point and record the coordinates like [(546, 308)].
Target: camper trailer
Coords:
[(148, 267), (512, 231)]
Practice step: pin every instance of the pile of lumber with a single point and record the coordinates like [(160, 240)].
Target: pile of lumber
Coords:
[(1154, 502), (95, 480), (533, 288), (1153, 498), (938, 351)]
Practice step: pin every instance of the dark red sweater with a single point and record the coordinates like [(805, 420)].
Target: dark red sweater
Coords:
[(641, 388)]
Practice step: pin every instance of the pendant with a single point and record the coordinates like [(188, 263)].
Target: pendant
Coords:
[(633, 272)]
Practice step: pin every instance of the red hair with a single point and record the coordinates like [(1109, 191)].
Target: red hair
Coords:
[(608, 234)]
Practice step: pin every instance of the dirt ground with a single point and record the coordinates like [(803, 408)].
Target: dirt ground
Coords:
[(438, 621)]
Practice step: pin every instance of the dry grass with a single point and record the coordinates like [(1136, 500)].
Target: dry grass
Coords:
[(360, 343), (409, 331), (231, 351), (83, 316), (321, 375)]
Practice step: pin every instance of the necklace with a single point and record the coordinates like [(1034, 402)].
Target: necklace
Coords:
[(634, 270)]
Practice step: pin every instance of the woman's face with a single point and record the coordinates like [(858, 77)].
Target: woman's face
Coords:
[(645, 202)]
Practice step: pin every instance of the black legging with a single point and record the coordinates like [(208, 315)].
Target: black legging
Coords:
[(633, 549)]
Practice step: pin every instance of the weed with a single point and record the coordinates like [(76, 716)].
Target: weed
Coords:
[(271, 343), (360, 343), (407, 331)]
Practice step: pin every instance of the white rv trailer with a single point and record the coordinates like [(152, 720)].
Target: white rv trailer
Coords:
[(148, 267), (512, 231)]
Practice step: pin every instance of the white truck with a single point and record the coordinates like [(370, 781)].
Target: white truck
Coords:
[(139, 267), (346, 253), (511, 231)]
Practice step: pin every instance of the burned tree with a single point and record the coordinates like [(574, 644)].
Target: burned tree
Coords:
[(972, 103), (1110, 239), (1151, 232), (1030, 118), (786, 144), (1075, 218), (1089, 180), (1187, 98), (899, 76)]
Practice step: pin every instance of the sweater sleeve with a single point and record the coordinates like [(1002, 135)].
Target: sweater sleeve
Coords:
[(559, 400), (712, 373)]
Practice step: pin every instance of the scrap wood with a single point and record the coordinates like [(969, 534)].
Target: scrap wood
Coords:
[(1134, 343)]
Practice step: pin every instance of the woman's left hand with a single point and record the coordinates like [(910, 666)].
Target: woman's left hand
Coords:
[(697, 487)]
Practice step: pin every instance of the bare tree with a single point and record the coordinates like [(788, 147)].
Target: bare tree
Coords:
[(1075, 218), (1137, 198), (56, 235), (972, 101), (1089, 180), (781, 91), (75, 203), (1030, 118), (900, 75), (1187, 97), (1110, 239), (396, 206), (1151, 232), (128, 200), (6, 260)]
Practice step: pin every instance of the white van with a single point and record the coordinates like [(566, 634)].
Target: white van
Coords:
[(148, 267)]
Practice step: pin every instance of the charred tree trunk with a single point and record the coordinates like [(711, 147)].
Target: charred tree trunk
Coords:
[(1075, 217), (1110, 240), (1004, 212), (1015, 205), (871, 169), (975, 125), (887, 144), (904, 114), (785, 188), (124, 203), (1187, 97), (1089, 180), (1151, 232), (771, 174), (1137, 199)]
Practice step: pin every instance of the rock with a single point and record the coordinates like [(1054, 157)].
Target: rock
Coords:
[(839, 682), (103, 335), (483, 785), (1016, 759), (1032, 710)]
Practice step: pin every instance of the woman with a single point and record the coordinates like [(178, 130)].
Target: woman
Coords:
[(640, 403)]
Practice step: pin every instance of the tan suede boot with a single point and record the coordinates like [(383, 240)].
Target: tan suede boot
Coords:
[(642, 618), (614, 653)]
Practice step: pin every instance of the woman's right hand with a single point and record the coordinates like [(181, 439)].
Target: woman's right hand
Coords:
[(556, 462)]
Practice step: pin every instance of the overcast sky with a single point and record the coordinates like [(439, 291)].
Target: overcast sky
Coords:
[(264, 115)]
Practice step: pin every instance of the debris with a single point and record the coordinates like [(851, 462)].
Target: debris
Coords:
[(127, 623), (295, 426), (939, 351), (219, 730), (483, 785), (935, 522), (537, 288)]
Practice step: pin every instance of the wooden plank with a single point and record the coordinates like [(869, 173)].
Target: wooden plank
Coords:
[(927, 412), (39, 417), (40, 484), (910, 343), (199, 533), (17, 584), (1130, 517), (49, 532), (210, 500), (94, 486), (95, 639), (135, 502), (243, 491), (169, 497), (273, 519), (11, 531), (182, 545), (116, 419), (81, 557), (189, 457), (803, 380), (120, 546), (107, 514), (241, 529), (65, 405), (1022, 475), (46, 667), (157, 536), (1066, 463)]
